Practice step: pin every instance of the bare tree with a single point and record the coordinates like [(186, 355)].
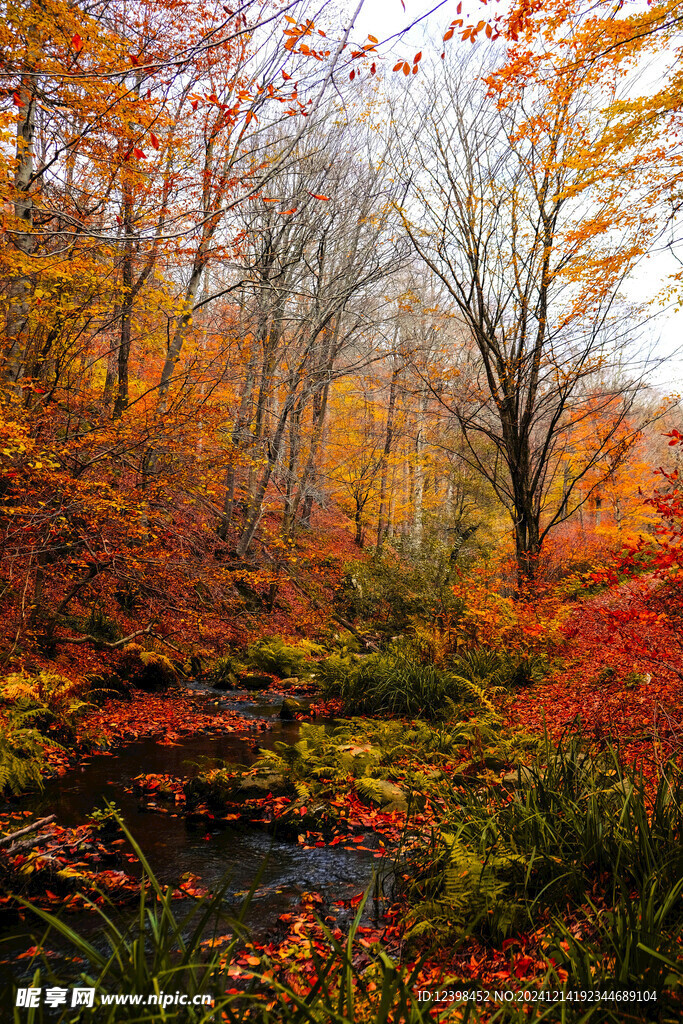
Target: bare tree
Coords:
[(498, 209)]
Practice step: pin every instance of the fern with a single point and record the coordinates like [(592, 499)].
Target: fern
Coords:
[(22, 753), (462, 889), (52, 703), (273, 655)]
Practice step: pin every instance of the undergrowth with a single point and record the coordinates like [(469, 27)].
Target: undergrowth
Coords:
[(577, 830), (397, 681)]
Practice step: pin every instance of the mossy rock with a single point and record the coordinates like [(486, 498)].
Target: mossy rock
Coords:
[(146, 670), (521, 776), (386, 795), (254, 786), (290, 709), (221, 788)]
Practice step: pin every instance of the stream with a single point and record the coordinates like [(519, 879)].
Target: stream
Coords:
[(175, 846)]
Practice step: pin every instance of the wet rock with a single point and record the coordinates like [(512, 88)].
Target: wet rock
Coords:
[(254, 683), (226, 683)]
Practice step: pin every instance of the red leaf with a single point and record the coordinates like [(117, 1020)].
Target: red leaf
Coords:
[(138, 153), (18, 103), (154, 140), (77, 42), (352, 76), (316, 196), (134, 61)]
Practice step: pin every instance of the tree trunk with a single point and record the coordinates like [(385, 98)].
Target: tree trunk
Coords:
[(257, 500), (121, 402), (241, 421), (418, 475), (388, 439), (17, 317)]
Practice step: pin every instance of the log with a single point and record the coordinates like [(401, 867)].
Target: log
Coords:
[(88, 639), (9, 839)]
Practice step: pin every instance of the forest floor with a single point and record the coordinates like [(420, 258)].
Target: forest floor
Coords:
[(618, 670), (621, 673)]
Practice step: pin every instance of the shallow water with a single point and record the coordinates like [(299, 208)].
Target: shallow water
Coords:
[(175, 846)]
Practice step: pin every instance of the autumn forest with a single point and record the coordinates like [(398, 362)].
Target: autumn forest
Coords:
[(341, 628)]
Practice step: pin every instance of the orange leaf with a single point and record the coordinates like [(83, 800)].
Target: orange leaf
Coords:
[(373, 39), (316, 196), (417, 57), (449, 35), (406, 68), (397, 67), (292, 21), (285, 212)]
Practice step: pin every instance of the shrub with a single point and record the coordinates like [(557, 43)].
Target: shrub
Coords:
[(145, 669), (22, 752), (223, 673), (500, 668), (393, 593), (54, 702), (396, 681), (576, 820), (99, 625), (273, 655)]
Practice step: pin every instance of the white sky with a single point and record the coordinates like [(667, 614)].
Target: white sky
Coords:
[(383, 18)]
